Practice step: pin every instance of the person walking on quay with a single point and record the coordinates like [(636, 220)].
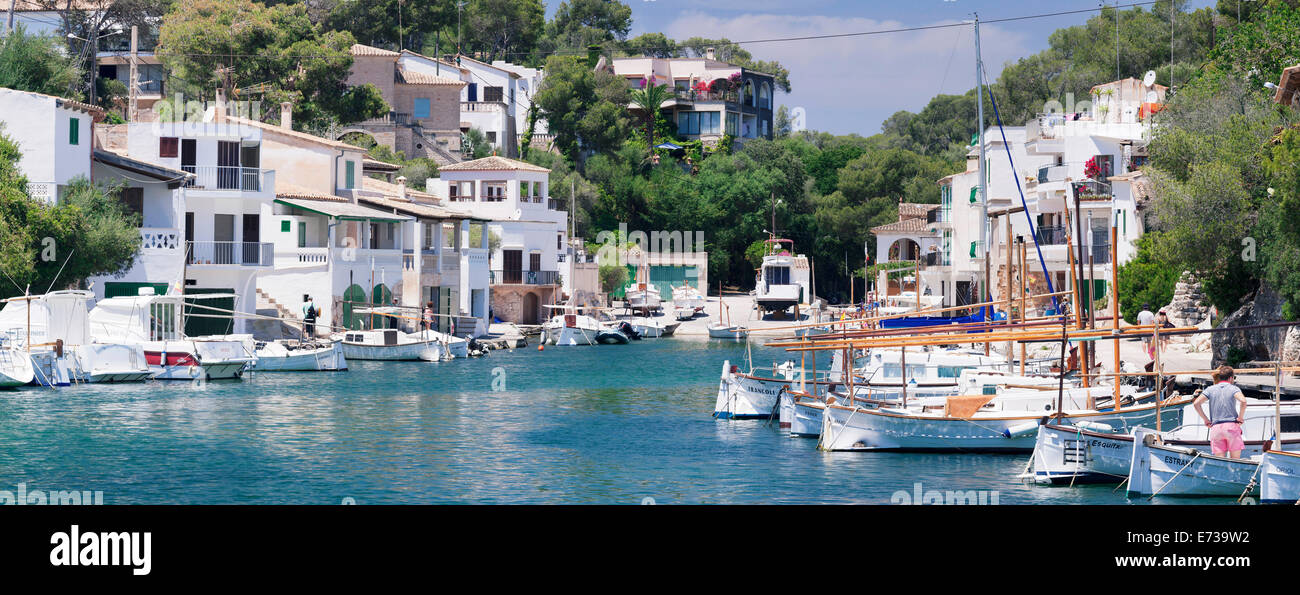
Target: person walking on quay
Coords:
[(1162, 321), (1147, 317), (309, 313), (1227, 413)]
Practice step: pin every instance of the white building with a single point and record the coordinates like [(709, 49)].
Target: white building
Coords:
[(531, 227), (55, 135), (1057, 157)]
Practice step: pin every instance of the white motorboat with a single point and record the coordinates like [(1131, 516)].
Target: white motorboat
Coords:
[(688, 297), (54, 328), (684, 314), (390, 345), (1279, 477), (571, 327), (297, 356), (1166, 470), (783, 278), (649, 328), (1003, 422), (156, 323), (15, 367), (1073, 455)]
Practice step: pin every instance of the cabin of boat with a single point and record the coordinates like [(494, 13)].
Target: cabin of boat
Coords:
[(783, 279)]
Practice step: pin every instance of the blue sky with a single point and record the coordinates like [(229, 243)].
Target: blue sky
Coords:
[(852, 84)]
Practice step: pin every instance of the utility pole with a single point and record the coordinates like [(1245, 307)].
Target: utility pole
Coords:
[(987, 293), (1117, 75), (134, 88), (459, 6), (9, 25)]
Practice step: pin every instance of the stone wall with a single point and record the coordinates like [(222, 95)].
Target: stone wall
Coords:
[(1188, 307)]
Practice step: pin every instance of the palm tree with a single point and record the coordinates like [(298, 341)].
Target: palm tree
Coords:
[(649, 99)]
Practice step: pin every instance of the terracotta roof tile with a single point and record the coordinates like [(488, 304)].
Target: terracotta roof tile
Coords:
[(365, 50), (408, 77), (494, 163)]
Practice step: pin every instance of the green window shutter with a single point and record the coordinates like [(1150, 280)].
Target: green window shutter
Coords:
[(284, 226), (351, 175), (972, 249), (974, 193), (74, 131), (302, 234)]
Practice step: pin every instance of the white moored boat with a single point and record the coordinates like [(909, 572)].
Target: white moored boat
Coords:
[(643, 296), (57, 329), (1073, 455), (15, 367), (1279, 477), (1165, 470), (390, 345), (733, 332), (746, 396), (1005, 422), (650, 328), (296, 356), (156, 323), (571, 328)]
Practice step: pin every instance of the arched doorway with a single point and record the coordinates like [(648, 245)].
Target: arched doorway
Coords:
[(354, 295), (382, 296), (529, 313), (904, 249)]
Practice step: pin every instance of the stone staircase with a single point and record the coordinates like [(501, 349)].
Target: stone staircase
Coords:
[(270, 330)]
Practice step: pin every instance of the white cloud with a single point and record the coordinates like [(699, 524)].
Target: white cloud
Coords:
[(852, 84)]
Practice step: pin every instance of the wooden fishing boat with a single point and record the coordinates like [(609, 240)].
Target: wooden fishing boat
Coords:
[(297, 356), (1074, 455), (688, 298), (1166, 470), (390, 345), (15, 367), (1279, 477), (747, 396), (648, 328), (1005, 422)]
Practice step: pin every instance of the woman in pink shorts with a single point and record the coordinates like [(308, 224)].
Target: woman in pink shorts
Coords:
[(1227, 413)]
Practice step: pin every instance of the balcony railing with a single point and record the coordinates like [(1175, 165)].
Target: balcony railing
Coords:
[(482, 106), (154, 238), (1092, 189), (1052, 235), (253, 254), (225, 177), (524, 277), (1100, 253)]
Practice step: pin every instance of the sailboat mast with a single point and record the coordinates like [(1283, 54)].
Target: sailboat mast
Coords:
[(983, 175)]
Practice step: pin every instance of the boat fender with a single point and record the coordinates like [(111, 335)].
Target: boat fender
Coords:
[(1095, 426), (541, 347), (1020, 430)]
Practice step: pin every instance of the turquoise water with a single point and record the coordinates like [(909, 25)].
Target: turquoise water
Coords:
[(607, 424)]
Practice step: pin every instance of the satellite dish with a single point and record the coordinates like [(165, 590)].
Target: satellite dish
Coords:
[(518, 214), (1152, 97), (1149, 79)]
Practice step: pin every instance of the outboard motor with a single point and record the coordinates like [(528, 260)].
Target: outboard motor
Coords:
[(629, 330)]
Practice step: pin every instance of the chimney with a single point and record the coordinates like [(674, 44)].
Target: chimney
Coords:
[(286, 115), (401, 187), (219, 111), (710, 53)]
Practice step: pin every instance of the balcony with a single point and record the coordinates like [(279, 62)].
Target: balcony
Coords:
[(1092, 190), (555, 204), (499, 277), (1053, 173), (160, 239), (225, 177), (1100, 253), (483, 106), (306, 256), (1052, 235), (251, 254)]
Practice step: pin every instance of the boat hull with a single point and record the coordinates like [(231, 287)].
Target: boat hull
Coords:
[(728, 332), (323, 359), (741, 396), (806, 418), (1164, 470), (15, 369), (856, 428), (428, 351), (1279, 478)]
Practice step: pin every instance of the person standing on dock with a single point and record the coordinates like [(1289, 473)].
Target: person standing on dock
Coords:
[(1162, 321), (1227, 413), (427, 319), (309, 313)]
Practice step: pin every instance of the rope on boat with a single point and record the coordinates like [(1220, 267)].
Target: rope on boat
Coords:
[(775, 407), (1195, 455), (1251, 484)]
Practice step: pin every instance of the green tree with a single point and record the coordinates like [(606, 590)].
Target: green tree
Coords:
[(504, 29), (234, 44), (1146, 279), (648, 100), (581, 23), (36, 63), (88, 224), (584, 109), (474, 144), (612, 277), (389, 24)]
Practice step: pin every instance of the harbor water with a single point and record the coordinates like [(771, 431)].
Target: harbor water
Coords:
[(621, 424)]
